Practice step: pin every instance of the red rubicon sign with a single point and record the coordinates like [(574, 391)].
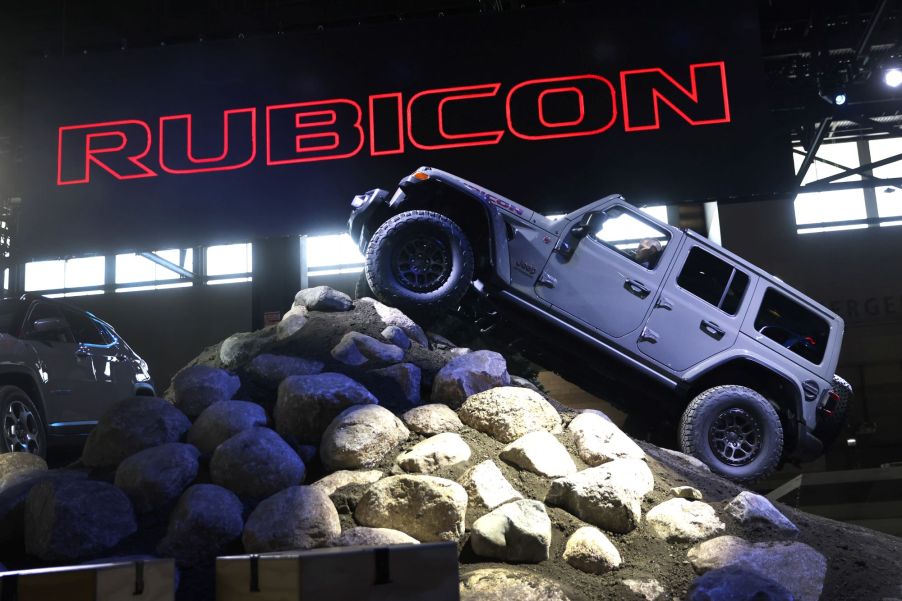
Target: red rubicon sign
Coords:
[(321, 130)]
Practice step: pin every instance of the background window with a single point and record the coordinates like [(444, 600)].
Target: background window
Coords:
[(229, 259), (836, 205), (331, 255), (889, 198)]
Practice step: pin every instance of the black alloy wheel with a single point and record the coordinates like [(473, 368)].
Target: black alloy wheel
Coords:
[(735, 437), (23, 427)]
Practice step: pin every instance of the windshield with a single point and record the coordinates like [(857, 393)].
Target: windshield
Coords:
[(10, 316)]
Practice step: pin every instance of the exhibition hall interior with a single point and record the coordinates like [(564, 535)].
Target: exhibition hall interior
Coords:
[(457, 300)]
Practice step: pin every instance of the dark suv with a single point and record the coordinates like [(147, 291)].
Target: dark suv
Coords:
[(60, 369), (661, 322)]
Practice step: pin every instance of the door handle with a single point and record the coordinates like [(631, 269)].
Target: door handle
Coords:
[(711, 329), (637, 288)]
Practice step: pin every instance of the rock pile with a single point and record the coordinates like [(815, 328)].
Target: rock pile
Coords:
[(285, 441)]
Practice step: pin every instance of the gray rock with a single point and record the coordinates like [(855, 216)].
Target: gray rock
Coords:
[(467, 375), (306, 405), (360, 437), (425, 507), (239, 349), (506, 584), (73, 520), (394, 317), (458, 351), (696, 463), (432, 419), (397, 336), (342, 478), (155, 478), (323, 298), (439, 451), (396, 386), (754, 510), (795, 566), (440, 342), (197, 387), (589, 550), (272, 369), (487, 486), (358, 349), (608, 496), (524, 383), (256, 463), (519, 531), (508, 413), (16, 466), (646, 588), (291, 323), (598, 440), (686, 492), (736, 584), (130, 426), (223, 420), (373, 537), (300, 517), (206, 520), (597, 412), (540, 453), (679, 520), (13, 497)]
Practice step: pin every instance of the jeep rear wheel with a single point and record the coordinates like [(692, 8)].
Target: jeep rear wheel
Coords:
[(420, 262), (23, 427), (735, 431)]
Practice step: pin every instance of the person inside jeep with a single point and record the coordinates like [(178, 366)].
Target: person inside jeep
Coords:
[(648, 252)]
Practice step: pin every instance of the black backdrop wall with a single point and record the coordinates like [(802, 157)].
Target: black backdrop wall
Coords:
[(555, 107)]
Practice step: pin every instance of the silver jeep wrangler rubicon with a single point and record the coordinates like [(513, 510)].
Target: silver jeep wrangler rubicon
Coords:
[(662, 322)]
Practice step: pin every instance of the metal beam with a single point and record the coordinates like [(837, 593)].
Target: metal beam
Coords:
[(865, 45), (168, 264), (816, 140), (857, 170), (832, 164), (820, 186)]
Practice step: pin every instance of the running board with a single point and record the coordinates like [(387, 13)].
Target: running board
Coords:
[(602, 346)]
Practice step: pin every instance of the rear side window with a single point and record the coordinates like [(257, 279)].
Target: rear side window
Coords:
[(713, 280), (790, 324)]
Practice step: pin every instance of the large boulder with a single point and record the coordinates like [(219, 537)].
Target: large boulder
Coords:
[(435, 453), (425, 507), (197, 387), (12, 501), (130, 426), (598, 440), (589, 550), (256, 463), (300, 517), (74, 520), (270, 369), (323, 298), (608, 496), (507, 413), (736, 584), (14, 467), (467, 375), (540, 453), (291, 323), (487, 486), (358, 349), (432, 419), (396, 386), (679, 520), (519, 531), (795, 566), (752, 510), (361, 436), (342, 478), (207, 520), (397, 336), (394, 317), (155, 478), (223, 420), (306, 405), (239, 349), (373, 537), (508, 584)]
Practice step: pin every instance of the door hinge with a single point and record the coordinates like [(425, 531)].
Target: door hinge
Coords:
[(648, 335), (664, 303), (547, 280)]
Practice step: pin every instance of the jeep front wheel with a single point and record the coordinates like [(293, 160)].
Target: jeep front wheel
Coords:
[(23, 428), (420, 262), (735, 431)]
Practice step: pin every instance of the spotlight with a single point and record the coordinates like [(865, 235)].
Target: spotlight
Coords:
[(839, 99), (893, 77), (836, 96)]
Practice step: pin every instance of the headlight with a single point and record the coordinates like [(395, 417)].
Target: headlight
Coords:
[(358, 201)]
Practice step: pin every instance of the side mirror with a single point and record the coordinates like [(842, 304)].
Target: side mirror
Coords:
[(586, 225), (48, 325)]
